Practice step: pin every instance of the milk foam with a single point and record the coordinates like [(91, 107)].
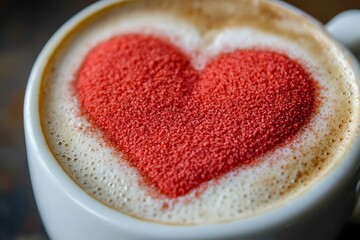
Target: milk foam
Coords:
[(282, 174)]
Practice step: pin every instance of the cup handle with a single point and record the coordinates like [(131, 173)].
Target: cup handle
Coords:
[(345, 27)]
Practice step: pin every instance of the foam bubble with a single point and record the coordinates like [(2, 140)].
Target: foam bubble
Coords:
[(283, 173)]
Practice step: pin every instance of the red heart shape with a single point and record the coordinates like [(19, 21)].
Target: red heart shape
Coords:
[(181, 127)]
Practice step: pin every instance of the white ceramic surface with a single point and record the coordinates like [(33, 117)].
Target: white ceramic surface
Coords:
[(345, 27), (69, 213)]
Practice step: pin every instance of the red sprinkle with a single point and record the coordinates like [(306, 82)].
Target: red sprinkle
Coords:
[(181, 127)]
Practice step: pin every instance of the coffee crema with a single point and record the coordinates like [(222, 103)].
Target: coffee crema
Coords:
[(203, 32)]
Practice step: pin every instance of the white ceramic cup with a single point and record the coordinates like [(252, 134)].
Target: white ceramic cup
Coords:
[(68, 212)]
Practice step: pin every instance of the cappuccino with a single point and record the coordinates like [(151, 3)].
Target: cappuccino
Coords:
[(206, 32)]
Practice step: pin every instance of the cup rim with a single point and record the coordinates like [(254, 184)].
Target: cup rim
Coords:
[(344, 171)]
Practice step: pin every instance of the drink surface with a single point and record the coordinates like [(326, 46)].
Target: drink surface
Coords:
[(203, 30)]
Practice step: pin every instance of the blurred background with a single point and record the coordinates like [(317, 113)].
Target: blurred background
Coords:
[(25, 26)]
